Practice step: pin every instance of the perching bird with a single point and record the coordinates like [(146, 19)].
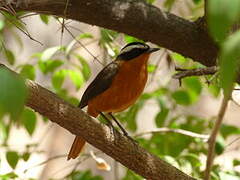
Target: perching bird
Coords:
[(117, 86)]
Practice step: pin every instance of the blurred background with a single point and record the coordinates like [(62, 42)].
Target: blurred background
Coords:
[(67, 56)]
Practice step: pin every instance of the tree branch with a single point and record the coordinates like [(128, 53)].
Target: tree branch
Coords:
[(177, 131), (99, 135), (194, 72), (212, 139), (136, 18)]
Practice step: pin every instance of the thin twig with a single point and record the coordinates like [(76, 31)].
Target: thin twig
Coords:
[(194, 72), (46, 161), (233, 141), (81, 44), (4, 9), (28, 15), (178, 131), (63, 22), (10, 9), (213, 77), (180, 69), (235, 102), (212, 139), (22, 30), (205, 8)]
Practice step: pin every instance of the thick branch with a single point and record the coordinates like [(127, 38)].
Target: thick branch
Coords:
[(100, 136), (136, 18)]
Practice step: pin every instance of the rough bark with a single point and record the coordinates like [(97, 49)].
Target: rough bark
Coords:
[(136, 18), (99, 135)]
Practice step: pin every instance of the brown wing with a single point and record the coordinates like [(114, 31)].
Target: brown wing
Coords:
[(100, 84)]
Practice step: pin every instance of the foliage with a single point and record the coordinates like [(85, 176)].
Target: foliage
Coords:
[(85, 175), (64, 68)]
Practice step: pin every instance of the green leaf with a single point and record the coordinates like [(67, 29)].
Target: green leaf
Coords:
[(130, 115), (193, 87), (49, 65), (170, 144), (168, 4), (72, 100), (236, 162), (220, 145), (197, 1), (13, 93), (221, 15), (48, 53), (29, 120), (2, 25), (151, 68), (214, 89), (193, 159), (58, 78), (185, 166), (85, 35), (26, 156), (3, 132), (107, 36), (131, 118), (171, 161), (229, 61), (227, 130), (76, 77), (8, 176), (44, 18), (129, 39), (182, 97), (162, 115), (36, 55), (28, 71), (84, 175), (193, 84), (86, 70), (12, 158), (130, 175), (45, 119), (157, 93), (178, 57), (10, 56), (150, 1)]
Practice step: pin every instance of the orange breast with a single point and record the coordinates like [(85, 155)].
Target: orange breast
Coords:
[(126, 87)]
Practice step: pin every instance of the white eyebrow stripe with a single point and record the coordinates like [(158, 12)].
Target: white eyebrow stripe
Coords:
[(129, 48)]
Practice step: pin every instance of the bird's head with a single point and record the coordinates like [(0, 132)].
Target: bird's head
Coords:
[(135, 49)]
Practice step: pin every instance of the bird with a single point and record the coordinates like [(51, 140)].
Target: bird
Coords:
[(116, 87)]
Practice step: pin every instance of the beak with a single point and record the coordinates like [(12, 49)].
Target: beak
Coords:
[(151, 50)]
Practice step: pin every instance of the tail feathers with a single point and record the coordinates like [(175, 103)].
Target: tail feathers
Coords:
[(76, 148)]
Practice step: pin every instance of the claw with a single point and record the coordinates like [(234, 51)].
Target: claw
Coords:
[(125, 133), (110, 125)]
